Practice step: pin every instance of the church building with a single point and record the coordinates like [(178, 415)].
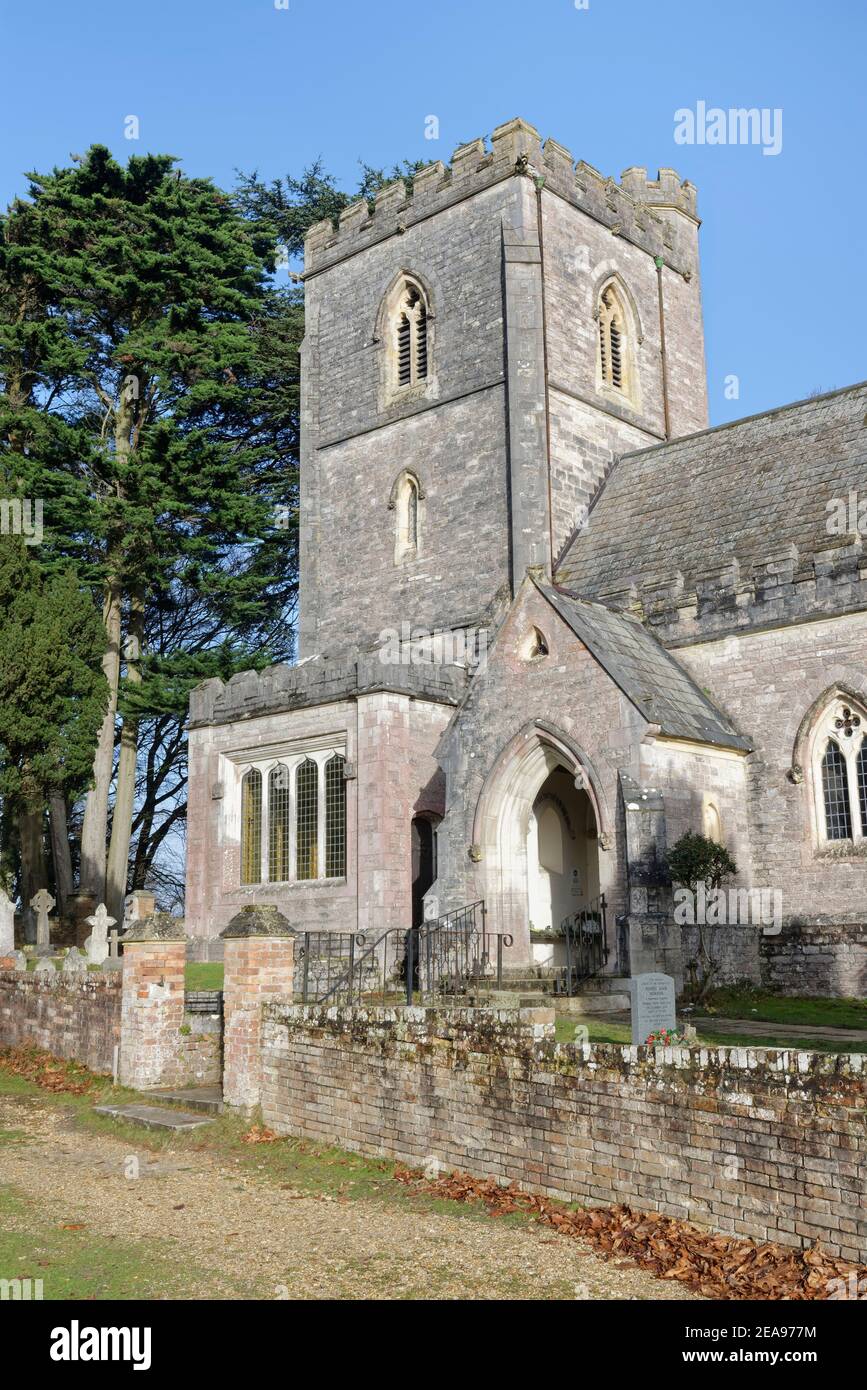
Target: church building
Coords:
[(550, 620)]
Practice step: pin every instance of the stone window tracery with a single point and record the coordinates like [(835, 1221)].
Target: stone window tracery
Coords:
[(840, 774), (297, 831)]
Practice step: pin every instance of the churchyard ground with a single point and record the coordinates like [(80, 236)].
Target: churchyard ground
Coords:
[(98, 1209)]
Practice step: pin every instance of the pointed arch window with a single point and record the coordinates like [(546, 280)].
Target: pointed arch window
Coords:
[(409, 319), (307, 820), (251, 826), (406, 501), (840, 774), (335, 818), (835, 794), (615, 338), (279, 824)]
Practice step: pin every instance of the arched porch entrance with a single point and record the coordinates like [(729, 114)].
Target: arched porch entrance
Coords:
[(540, 826)]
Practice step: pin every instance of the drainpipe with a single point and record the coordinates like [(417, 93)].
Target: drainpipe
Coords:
[(659, 263)]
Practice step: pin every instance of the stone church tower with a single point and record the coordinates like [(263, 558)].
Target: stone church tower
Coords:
[(550, 621), (507, 432)]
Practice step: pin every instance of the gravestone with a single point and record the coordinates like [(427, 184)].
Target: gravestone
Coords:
[(19, 959), (653, 1005), (45, 966), (113, 960), (42, 903), (74, 962), (96, 944), (7, 924)]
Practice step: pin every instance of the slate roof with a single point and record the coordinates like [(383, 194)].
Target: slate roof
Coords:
[(659, 688), (748, 491)]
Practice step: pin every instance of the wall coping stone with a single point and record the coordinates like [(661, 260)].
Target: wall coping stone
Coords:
[(258, 919), (159, 926)]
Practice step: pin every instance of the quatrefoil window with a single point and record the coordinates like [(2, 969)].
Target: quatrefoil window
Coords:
[(847, 722)]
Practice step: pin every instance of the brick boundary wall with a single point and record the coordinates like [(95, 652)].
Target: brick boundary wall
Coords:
[(770, 1145), (816, 959), (75, 1017)]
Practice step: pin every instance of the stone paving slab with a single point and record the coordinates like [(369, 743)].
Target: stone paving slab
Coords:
[(207, 1098), (154, 1116)]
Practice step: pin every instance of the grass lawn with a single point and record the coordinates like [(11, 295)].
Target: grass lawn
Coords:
[(206, 974), (780, 1008), (608, 1030)]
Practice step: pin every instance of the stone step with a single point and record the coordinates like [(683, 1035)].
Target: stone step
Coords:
[(207, 1098), (154, 1116)]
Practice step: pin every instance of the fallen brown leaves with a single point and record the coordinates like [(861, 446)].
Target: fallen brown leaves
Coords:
[(48, 1072), (259, 1134), (716, 1266)]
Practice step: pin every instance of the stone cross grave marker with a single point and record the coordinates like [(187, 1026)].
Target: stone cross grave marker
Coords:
[(652, 1005), (7, 924), (96, 944), (113, 960), (42, 903)]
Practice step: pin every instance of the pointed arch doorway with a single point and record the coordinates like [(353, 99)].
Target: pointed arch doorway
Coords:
[(540, 823)]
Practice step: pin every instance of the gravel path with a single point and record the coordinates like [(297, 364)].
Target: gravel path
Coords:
[(254, 1238)]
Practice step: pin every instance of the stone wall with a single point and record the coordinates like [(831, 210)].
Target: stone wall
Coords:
[(766, 682), (768, 1145), (818, 960), (76, 1017), (199, 1059)]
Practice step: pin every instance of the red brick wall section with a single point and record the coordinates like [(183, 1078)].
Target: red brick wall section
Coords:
[(256, 969), (770, 1145), (77, 1018), (152, 1013)]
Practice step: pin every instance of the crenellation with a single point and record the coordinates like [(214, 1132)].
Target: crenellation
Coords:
[(728, 597), (427, 183), (628, 208)]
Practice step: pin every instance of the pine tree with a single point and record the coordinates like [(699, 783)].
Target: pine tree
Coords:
[(135, 418), (52, 695)]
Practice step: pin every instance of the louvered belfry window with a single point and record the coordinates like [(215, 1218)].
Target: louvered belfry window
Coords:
[(412, 353), (611, 340)]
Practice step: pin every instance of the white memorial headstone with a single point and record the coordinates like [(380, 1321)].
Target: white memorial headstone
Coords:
[(74, 962), (7, 924), (96, 944), (653, 1005)]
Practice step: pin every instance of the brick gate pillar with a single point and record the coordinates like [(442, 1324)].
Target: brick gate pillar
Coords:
[(152, 1006), (259, 964)]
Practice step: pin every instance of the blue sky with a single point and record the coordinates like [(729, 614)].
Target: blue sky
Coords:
[(227, 84)]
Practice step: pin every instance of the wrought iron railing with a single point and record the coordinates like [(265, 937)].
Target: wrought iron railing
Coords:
[(441, 961), (586, 938)]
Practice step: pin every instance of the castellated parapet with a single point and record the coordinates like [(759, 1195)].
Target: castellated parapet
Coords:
[(657, 215), (783, 588)]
